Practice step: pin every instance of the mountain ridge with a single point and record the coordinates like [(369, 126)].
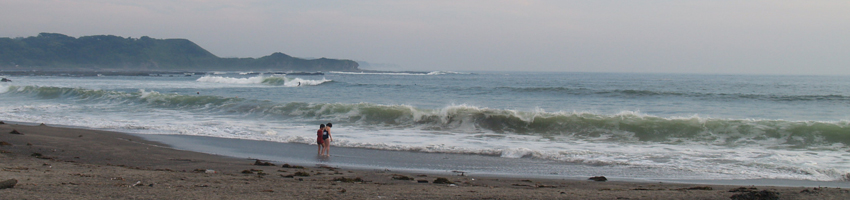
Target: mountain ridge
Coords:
[(52, 51)]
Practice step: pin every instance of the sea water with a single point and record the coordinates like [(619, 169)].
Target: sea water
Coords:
[(712, 127)]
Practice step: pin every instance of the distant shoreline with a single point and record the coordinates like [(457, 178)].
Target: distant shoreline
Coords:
[(82, 73), (79, 73)]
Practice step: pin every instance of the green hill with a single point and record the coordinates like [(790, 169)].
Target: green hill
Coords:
[(108, 52)]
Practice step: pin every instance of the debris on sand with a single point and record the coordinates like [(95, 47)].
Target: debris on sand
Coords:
[(443, 181), (598, 178), (744, 189), (753, 195), (296, 174), (8, 183), (348, 180), (401, 177), (263, 163), (286, 165), (697, 188)]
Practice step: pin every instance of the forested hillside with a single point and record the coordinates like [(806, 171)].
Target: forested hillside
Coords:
[(100, 52)]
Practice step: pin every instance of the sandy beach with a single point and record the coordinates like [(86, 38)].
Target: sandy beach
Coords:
[(65, 163)]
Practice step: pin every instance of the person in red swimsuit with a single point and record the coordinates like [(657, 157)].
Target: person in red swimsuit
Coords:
[(319, 139)]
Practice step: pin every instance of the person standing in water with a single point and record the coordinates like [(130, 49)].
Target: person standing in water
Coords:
[(319, 140), (326, 137)]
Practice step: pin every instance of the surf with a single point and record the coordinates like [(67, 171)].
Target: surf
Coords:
[(264, 80), (623, 127)]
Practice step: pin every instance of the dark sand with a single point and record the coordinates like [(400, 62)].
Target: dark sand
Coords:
[(89, 164)]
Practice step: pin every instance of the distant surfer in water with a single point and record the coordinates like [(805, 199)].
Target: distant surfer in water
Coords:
[(326, 137), (319, 138)]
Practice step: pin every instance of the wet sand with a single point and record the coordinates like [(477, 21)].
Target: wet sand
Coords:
[(66, 163)]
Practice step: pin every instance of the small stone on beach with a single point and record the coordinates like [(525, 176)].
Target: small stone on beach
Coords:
[(401, 177), (8, 183), (598, 178), (14, 131)]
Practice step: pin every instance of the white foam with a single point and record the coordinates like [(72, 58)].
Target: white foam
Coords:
[(4, 88), (739, 162), (221, 79), (262, 79), (517, 152), (305, 82), (753, 160)]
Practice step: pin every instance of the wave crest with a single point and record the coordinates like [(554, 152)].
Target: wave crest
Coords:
[(265, 80), (627, 126)]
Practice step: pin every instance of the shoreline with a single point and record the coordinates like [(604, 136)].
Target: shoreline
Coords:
[(433, 163), (80, 163)]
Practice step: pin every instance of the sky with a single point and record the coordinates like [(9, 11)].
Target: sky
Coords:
[(795, 37)]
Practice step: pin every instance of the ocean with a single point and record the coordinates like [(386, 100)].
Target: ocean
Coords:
[(555, 124)]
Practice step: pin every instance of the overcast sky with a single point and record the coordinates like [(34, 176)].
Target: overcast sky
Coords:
[(672, 36)]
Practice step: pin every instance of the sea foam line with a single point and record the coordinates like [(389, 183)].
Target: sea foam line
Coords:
[(741, 161), (266, 80)]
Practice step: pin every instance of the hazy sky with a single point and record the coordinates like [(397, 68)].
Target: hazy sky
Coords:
[(674, 36)]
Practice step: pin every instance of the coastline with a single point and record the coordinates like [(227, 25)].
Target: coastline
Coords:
[(90, 164), (446, 163)]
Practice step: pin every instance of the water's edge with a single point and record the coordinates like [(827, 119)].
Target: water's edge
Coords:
[(434, 163)]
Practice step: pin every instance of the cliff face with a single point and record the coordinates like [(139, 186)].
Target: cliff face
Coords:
[(58, 51)]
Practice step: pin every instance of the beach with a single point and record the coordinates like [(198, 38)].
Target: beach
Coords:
[(657, 128), (67, 163)]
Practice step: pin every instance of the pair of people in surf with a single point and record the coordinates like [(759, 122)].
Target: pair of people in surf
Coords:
[(324, 139)]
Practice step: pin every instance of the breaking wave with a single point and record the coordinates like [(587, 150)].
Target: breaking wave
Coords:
[(624, 127), (652, 93), (265, 80)]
